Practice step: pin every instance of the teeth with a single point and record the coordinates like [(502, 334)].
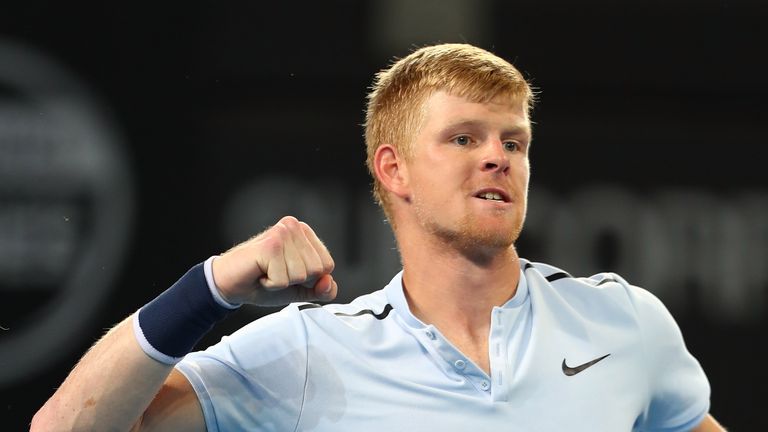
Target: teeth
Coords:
[(491, 196)]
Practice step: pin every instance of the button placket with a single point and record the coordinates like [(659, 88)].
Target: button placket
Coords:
[(455, 365), (497, 353), (461, 367)]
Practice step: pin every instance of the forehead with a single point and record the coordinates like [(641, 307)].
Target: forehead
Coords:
[(442, 109)]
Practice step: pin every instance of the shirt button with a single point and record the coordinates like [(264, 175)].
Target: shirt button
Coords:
[(460, 364), (485, 385), (430, 335)]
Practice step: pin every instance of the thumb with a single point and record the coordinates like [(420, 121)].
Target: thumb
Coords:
[(325, 288)]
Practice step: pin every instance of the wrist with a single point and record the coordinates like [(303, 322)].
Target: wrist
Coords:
[(169, 327), (218, 296)]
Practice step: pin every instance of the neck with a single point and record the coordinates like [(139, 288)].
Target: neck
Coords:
[(457, 289)]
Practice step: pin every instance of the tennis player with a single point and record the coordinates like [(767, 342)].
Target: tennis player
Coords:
[(468, 336)]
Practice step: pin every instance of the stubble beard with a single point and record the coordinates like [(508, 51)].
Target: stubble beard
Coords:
[(471, 237)]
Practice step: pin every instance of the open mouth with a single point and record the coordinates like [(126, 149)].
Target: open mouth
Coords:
[(497, 196)]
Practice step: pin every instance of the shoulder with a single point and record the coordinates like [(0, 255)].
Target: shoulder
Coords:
[(604, 294)]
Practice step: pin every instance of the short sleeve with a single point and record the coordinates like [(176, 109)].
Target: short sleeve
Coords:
[(255, 378), (678, 388)]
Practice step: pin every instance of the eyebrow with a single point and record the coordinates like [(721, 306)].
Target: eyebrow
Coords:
[(522, 128)]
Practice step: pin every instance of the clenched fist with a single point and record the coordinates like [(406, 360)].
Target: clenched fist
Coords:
[(285, 263)]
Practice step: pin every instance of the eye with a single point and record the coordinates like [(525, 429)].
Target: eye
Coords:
[(511, 145), (461, 140)]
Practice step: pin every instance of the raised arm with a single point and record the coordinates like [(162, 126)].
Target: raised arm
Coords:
[(118, 386)]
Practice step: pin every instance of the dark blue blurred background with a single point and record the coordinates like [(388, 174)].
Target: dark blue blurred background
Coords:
[(137, 140)]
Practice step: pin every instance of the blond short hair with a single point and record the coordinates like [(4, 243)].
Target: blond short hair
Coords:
[(398, 94)]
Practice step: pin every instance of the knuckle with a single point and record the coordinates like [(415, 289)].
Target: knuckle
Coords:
[(279, 234), (290, 222), (306, 228), (329, 266), (315, 269), (273, 245), (280, 229)]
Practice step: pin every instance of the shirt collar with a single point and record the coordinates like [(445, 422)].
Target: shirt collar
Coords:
[(396, 297)]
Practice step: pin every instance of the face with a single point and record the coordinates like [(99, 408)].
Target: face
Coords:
[(469, 170)]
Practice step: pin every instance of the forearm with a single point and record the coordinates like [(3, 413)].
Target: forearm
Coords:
[(116, 381), (109, 389)]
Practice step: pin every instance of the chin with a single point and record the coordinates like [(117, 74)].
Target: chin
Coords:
[(501, 233), (494, 239), (478, 236)]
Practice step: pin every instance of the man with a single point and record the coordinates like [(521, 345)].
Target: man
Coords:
[(467, 336)]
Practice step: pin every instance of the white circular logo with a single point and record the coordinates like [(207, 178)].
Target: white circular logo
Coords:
[(65, 210)]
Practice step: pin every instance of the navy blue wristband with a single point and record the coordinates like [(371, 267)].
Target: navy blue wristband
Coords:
[(170, 326)]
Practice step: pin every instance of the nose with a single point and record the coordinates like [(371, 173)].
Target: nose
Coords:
[(495, 159)]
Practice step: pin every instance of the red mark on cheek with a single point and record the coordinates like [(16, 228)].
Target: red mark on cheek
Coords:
[(90, 402)]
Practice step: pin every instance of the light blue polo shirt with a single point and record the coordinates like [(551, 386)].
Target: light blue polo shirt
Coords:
[(371, 365)]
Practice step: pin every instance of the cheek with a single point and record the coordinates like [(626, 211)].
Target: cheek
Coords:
[(526, 180), (522, 173), (443, 178), (428, 187)]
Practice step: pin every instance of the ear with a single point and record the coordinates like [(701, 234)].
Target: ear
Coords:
[(391, 170)]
